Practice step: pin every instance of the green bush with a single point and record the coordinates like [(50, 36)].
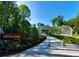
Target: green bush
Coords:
[(54, 30), (69, 40), (34, 33)]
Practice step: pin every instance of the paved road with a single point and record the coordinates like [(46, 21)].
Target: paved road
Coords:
[(41, 50)]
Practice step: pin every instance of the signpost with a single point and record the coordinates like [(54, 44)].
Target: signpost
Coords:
[(14, 36)]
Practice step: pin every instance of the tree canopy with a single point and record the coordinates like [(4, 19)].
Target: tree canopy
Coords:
[(13, 18), (73, 22), (57, 21)]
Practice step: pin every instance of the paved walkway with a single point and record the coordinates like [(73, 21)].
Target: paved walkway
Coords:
[(43, 50), (66, 52), (37, 51)]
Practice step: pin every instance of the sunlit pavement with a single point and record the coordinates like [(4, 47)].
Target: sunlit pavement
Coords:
[(43, 50), (37, 51)]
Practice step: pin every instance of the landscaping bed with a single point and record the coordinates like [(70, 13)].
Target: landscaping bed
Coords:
[(15, 46), (65, 39)]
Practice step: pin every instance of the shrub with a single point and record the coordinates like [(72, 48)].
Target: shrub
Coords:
[(69, 40), (54, 30), (34, 33)]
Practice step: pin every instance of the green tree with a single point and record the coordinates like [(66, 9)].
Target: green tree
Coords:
[(24, 13), (24, 26), (60, 20), (5, 12), (53, 21), (74, 23), (11, 15), (70, 22), (57, 21)]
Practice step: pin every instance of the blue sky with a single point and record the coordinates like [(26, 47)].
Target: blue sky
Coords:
[(44, 11)]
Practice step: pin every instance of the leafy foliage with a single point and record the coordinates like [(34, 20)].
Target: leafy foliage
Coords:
[(34, 32), (57, 21), (74, 23), (54, 30), (13, 17), (69, 40)]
